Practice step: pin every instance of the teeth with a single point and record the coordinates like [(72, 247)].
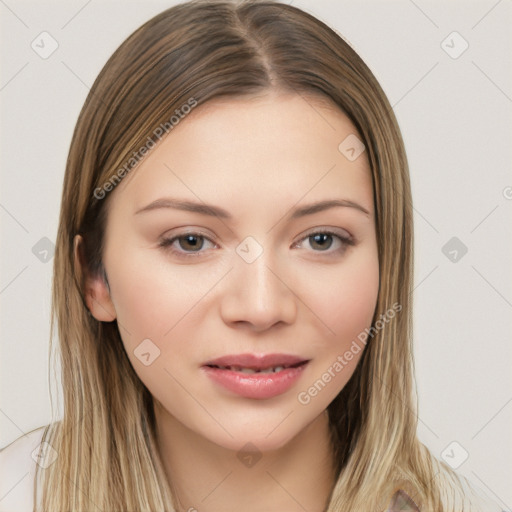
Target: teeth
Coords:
[(273, 369), (246, 370)]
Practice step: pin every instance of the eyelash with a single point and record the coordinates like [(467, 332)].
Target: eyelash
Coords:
[(166, 243)]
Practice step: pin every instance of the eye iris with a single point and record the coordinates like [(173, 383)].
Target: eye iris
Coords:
[(320, 238), (192, 240)]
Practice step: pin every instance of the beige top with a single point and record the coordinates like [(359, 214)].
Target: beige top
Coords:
[(17, 472)]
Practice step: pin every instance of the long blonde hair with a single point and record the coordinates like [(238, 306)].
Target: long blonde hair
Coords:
[(106, 444)]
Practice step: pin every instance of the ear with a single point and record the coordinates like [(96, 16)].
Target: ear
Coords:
[(96, 288)]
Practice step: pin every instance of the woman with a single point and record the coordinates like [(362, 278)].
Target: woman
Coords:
[(232, 280)]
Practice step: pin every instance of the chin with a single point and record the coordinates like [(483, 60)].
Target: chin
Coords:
[(247, 440), (267, 433)]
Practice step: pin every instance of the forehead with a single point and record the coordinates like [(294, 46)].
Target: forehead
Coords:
[(259, 150)]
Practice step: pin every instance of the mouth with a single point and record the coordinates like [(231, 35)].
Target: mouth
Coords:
[(252, 370), (256, 376)]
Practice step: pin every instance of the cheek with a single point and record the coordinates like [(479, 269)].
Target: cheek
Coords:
[(151, 296), (346, 299), (153, 305), (346, 304)]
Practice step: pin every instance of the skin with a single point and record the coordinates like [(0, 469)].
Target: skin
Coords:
[(258, 158)]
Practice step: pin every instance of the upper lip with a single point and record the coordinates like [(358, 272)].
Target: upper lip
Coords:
[(256, 361)]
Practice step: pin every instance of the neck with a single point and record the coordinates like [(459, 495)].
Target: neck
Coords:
[(206, 477)]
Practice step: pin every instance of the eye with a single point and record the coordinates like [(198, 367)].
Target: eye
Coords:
[(190, 244), (322, 240)]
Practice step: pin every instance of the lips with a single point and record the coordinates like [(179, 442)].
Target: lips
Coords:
[(256, 376)]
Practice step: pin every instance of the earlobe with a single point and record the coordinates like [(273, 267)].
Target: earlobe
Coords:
[(97, 298), (95, 287)]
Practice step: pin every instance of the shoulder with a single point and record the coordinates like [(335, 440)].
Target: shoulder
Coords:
[(458, 492), (472, 498), (17, 472), (479, 497)]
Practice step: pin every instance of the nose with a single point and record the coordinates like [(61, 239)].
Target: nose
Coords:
[(258, 295)]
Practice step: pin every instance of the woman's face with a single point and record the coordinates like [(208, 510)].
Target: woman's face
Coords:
[(207, 303)]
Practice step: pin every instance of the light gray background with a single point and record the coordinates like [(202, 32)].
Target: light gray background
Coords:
[(455, 115)]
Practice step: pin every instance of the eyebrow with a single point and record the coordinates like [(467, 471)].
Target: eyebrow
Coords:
[(216, 211)]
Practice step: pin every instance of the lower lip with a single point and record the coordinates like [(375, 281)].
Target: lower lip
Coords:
[(256, 385)]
